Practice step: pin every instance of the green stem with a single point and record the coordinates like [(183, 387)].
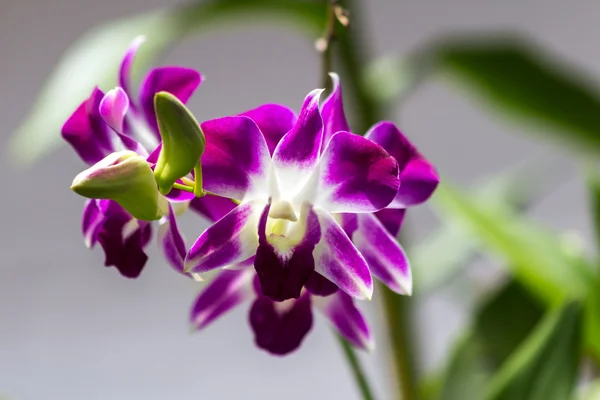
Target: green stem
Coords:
[(395, 308), (183, 187), (351, 46), (198, 191), (357, 371)]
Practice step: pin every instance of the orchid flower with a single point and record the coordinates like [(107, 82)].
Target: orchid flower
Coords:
[(280, 326), (286, 201), (289, 190), (117, 121)]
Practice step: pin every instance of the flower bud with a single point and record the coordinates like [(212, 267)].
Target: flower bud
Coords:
[(125, 177), (182, 141)]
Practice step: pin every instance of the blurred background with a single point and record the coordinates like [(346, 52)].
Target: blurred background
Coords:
[(72, 329)]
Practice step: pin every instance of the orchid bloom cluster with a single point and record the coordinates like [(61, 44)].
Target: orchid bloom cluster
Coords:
[(304, 212)]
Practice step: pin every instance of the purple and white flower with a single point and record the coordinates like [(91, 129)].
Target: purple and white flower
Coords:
[(281, 317), (116, 121), (287, 201)]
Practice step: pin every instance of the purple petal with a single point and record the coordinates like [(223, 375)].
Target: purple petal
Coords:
[(231, 239), (383, 253), (355, 176), (126, 63), (113, 107), (123, 247), (235, 163), (347, 319), (274, 121), (418, 181), (212, 208), (87, 132), (283, 274), (334, 119), (227, 290), (171, 241), (180, 82), (392, 219), (418, 177), (279, 328), (348, 222), (153, 157), (338, 260), (318, 285), (297, 153), (91, 222)]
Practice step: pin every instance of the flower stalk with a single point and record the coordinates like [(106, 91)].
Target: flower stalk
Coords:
[(357, 370)]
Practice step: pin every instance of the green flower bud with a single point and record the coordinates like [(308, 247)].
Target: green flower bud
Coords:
[(126, 178), (182, 142)]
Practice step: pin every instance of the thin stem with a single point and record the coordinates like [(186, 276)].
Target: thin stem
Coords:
[(323, 45), (351, 51), (395, 308), (335, 13), (357, 371), (183, 187), (198, 191)]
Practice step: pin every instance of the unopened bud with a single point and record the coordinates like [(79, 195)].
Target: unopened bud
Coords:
[(125, 177)]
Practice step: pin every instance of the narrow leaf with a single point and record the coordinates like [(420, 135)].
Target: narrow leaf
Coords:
[(545, 366), (516, 190), (499, 326), (508, 73), (542, 262)]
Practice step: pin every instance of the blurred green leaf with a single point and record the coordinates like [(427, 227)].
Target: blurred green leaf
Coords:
[(545, 366), (498, 328), (94, 59), (549, 267), (466, 373), (593, 188), (505, 320), (515, 189), (508, 72)]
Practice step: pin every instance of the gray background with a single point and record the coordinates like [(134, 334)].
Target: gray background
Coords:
[(72, 329)]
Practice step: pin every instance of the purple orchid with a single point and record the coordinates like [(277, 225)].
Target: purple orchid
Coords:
[(112, 122), (291, 186), (280, 326), (286, 201)]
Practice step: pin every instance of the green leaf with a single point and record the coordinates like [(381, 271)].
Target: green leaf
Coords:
[(511, 75), (545, 366), (593, 189), (505, 320), (549, 267), (466, 373), (94, 59), (183, 142), (498, 328), (515, 190)]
